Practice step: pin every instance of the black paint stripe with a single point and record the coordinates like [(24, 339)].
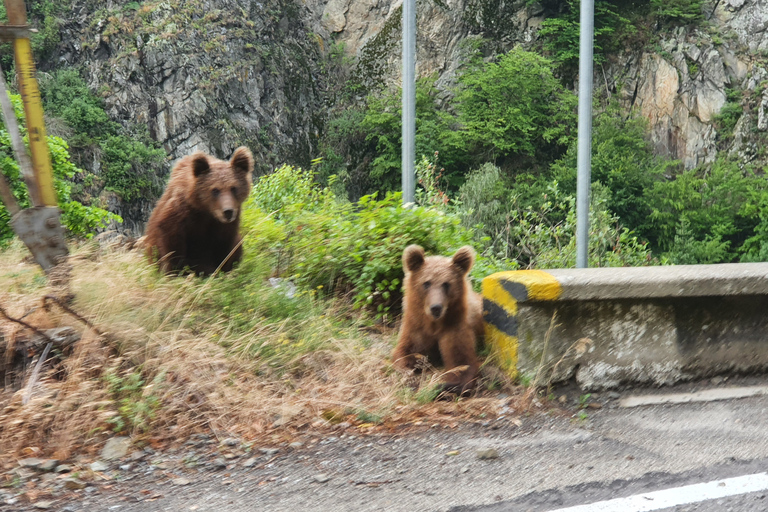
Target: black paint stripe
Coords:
[(499, 318), (516, 290)]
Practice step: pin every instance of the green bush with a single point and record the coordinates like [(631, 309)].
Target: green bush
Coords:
[(540, 233), (339, 247), (130, 166), (677, 12), (622, 160), (561, 34), (434, 132), (130, 160), (80, 220), (716, 208), (515, 109)]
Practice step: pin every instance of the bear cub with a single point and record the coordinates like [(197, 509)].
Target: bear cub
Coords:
[(442, 316), (196, 222)]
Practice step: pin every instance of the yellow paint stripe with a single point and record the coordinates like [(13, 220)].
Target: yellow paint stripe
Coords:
[(33, 110), (539, 285), (503, 349)]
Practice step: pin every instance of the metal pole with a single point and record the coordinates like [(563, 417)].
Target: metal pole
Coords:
[(584, 156), (409, 100), (33, 108)]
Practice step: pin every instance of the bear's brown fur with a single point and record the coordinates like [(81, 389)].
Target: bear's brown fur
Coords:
[(196, 222), (442, 316)]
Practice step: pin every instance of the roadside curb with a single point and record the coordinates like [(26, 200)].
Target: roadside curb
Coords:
[(640, 325)]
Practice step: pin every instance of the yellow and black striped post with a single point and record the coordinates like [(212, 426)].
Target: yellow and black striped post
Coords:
[(33, 108), (502, 292)]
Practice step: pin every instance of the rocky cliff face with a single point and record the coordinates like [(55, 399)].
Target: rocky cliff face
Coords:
[(680, 87), (215, 74), (204, 74)]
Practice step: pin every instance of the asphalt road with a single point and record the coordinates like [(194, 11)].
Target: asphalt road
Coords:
[(545, 463)]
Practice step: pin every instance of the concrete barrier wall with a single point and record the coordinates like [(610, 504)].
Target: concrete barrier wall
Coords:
[(611, 326)]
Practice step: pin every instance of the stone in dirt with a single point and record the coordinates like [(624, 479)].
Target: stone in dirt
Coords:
[(49, 465), (180, 481), (487, 454), (321, 478), (116, 448), (74, 484), (99, 466), (30, 462), (44, 504), (249, 463)]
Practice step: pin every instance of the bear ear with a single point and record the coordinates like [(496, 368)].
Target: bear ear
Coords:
[(200, 165), (242, 160), (413, 258), (464, 258)]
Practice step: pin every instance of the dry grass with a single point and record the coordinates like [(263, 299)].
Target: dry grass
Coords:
[(227, 355)]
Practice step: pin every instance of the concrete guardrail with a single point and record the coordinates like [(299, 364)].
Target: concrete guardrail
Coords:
[(640, 325)]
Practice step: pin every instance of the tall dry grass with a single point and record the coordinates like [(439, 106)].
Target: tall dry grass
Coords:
[(228, 355)]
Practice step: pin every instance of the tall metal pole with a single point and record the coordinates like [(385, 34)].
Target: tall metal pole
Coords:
[(409, 100), (584, 156)]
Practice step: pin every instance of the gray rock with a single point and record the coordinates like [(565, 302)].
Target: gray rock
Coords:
[(30, 462), (180, 481), (269, 452), (137, 455), (321, 478), (48, 465), (43, 505), (116, 448), (295, 445), (487, 454), (249, 463), (63, 468), (74, 484), (219, 463), (99, 465)]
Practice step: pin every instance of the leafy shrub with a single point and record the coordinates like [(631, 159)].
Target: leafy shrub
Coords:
[(434, 132), (79, 219), (540, 234), (130, 166), (339, 247), (678, 11), (130, 160), (729, 114), (622, 160), (515, 108), (706, 208), (561, 34), (610, 244)]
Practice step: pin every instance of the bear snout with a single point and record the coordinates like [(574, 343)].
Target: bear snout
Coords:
[(229, 215), (436, 310)]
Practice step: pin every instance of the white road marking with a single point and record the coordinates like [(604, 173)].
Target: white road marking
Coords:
[(699, 396), (667, 498)]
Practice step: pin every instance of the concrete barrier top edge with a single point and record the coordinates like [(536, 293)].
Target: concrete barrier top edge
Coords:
[(649, 282)]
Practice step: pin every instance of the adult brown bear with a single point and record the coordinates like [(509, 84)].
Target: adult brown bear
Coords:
[(442, 316), (196, 222)]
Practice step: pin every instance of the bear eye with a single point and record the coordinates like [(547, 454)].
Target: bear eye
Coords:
[(215, 192), (234, 191), (427, 284), (446, 287)]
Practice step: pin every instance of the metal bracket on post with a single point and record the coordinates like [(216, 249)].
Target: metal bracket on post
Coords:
[(41, 231)]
